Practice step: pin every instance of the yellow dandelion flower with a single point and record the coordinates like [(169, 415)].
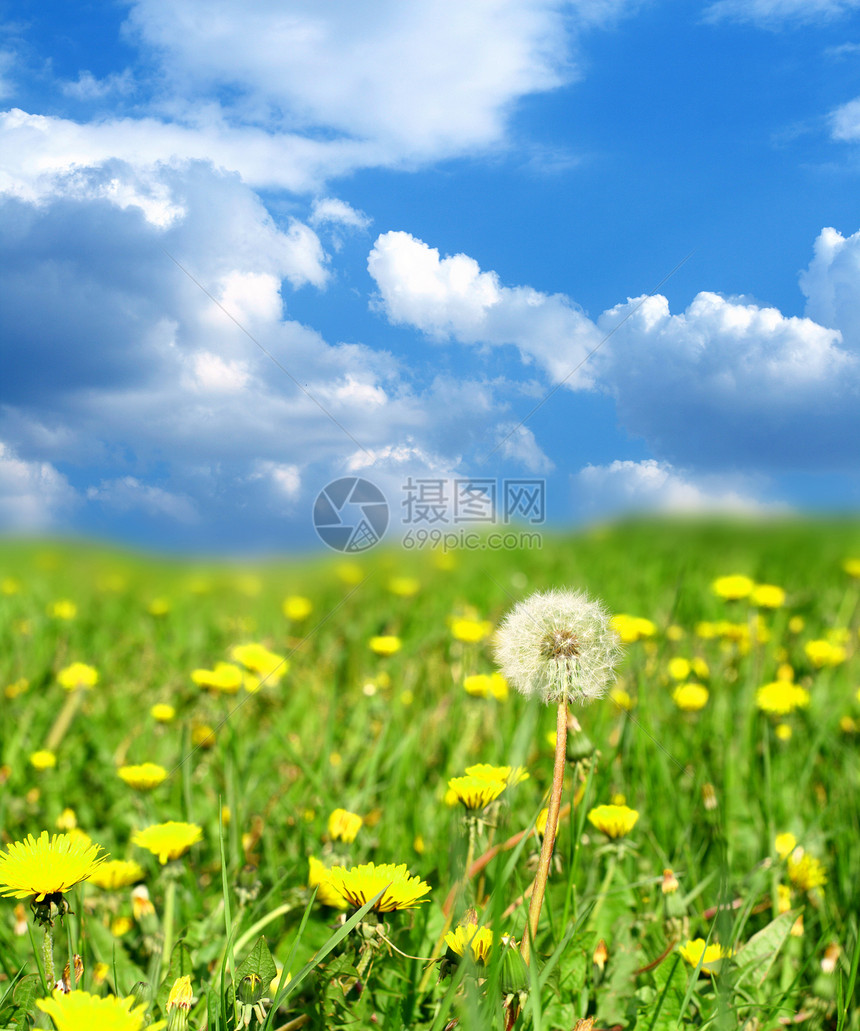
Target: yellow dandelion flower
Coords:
[(168, 840), (79, 674), (847, 724), (698, 951), (783, 731), (121, 925), (783, 898), (158, 607), (63, 609), (679, 668), (486, 685), (700, 667), (852, 567), (511, 775), (469, 938), (117, 873), (9, 585), (474, 792), (141, 904), (181, 995), (202, 736), (318, 877), (81, 1011), (19, 686), (258, 659), (805, 871), (781, 697), (225, 678), (767, 596), (161, 712), (297, 608), (471, 630), (615, 821), (620, 697), (796, 624), (733, 588), (404, 586), (144, 777), (385, 644), (47, 866), (349, 573), (400, 890), (344, 825), (541, 822), (784, 844), (823, 653), (67, 820), (43, 759), (632, 628), (690, 697)]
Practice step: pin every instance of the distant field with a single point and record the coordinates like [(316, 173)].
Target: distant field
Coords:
[(748, 830)]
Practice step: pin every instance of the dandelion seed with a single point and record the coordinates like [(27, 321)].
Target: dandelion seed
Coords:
[(558, 645)]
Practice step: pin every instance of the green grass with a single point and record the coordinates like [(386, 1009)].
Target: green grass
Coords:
[(382, 737)]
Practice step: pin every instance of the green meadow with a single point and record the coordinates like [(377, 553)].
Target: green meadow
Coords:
[(747, 834)]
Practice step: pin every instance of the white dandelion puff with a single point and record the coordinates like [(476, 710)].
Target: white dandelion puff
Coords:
[(560, 646)]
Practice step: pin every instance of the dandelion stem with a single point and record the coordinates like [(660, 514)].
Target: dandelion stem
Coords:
[(48, 957), (64, 719), (169, 913), (554, 807)]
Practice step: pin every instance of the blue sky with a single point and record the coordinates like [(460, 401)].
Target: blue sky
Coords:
[(249, 251)]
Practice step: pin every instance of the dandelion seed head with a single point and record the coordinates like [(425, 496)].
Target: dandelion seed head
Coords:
[(558, 645)]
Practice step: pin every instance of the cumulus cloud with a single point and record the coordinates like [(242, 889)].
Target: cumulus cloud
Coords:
[(452, 298), (88, 87), (723, 381), (33, 494), (773, 13), (425, 79), (652, 486), (333, 211)]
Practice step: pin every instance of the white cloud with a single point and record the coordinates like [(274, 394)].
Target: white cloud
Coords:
[(213, 375), (649, 485), (33, 494), (723, 381), (772, 13), (332, 210), (286, 479), (425, 79), (452, 297), (518, 443), (845, 121), (88, 87), (129, 494)]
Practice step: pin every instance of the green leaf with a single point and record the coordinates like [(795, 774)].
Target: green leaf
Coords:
[(663, 1011), (756, 958), (258, 962), (106, 949), (180, 966)]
